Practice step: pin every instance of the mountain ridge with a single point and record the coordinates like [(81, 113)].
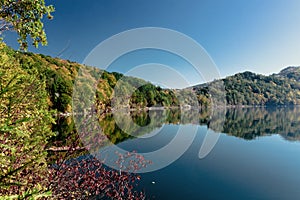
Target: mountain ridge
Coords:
[(249, 88)]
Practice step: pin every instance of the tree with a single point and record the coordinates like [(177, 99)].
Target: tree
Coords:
[(24, 130), (25, 17)]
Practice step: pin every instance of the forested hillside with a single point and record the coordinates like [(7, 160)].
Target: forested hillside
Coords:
[(60, 76), (248, 88), (290, 73), (245, 88)]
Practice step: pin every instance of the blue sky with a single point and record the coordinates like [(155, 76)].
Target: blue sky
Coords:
[(255, 35)]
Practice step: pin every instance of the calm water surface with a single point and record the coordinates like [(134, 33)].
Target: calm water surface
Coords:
[(256, 157)]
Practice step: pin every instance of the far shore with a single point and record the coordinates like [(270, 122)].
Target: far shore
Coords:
[(184, 108)]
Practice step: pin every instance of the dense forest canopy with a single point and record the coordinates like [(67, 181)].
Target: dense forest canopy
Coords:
[(252, 89)]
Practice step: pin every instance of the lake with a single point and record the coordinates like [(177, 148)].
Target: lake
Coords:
[(257, 155)]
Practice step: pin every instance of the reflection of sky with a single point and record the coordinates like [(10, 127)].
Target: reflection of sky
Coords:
[(264, 168), (260, 36)]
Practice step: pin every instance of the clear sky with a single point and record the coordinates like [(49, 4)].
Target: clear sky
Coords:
[(255, 35)]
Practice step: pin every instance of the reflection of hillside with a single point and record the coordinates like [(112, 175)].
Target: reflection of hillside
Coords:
[(246, 123), (249, 123), (123, 125)]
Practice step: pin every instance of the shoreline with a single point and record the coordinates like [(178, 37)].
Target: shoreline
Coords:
[(161, 108)]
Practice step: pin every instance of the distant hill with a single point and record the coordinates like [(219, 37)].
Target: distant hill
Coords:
[(248, 88), (290, 73)]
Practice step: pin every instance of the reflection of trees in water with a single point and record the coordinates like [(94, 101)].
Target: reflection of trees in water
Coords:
[(249, 123), (246, 123), (125, 125)]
